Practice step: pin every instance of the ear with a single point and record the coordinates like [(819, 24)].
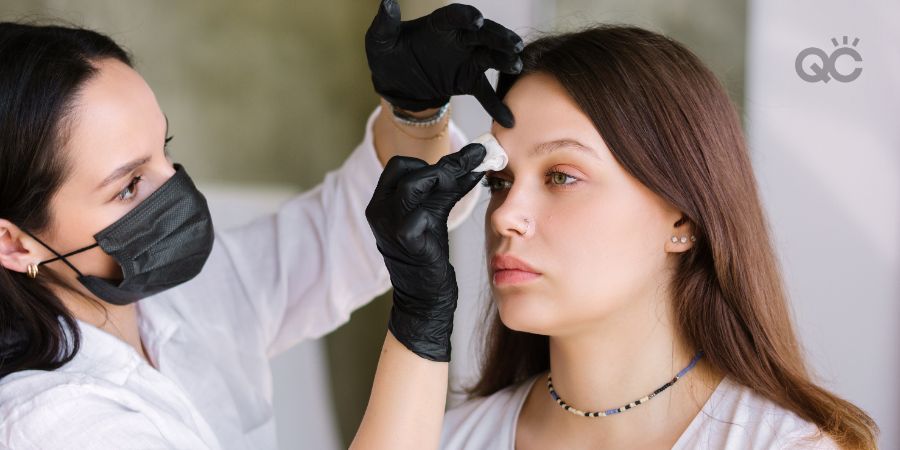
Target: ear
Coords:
[(17, 249), (683, 234)]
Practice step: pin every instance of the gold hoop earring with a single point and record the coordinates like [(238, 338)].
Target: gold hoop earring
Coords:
[(32, 270)]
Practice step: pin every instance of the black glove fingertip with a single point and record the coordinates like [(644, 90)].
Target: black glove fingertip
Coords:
[(385, 26), (473, 155), (504, 116), (457, 16), (472, 179)]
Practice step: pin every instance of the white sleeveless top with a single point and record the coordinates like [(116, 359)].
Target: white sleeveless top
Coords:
[(741, 419)]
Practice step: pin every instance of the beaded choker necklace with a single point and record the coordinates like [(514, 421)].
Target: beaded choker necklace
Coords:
[(639, 401)]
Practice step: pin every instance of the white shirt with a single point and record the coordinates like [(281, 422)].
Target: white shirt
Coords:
[(734, 418), (294, 275)]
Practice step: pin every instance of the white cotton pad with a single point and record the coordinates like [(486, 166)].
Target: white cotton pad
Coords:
[(496, 158)]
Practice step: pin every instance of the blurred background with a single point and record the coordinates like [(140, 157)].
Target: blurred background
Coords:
[(265, 97)]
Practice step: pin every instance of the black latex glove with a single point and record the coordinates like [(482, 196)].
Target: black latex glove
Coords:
[(421, 63), (408, 215)]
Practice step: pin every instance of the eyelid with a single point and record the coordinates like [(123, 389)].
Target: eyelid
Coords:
[(132, 185), (571, 180)]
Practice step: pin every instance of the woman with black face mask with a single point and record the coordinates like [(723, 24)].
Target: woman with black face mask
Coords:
[(125, 320)]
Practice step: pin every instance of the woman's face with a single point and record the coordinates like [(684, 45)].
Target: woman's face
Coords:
[(115, 149), (596, 240)]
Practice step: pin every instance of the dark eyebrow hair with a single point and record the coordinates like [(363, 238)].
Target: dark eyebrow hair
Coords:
[(130, 166), (548, 147), (124, 170)]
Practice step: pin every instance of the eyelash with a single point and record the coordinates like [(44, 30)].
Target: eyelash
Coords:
[(489, 180), (166, 145), (128, 194)]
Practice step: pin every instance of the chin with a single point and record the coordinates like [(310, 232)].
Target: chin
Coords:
[(528, 315)]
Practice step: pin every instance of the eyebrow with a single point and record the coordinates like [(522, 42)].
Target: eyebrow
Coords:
[(551, 146), (124, 170), (130, 166)]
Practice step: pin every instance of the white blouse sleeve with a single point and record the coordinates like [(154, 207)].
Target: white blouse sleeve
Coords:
[(304, 269)]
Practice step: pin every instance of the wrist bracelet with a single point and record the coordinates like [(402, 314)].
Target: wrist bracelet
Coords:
[(404, 118), (439, 134)]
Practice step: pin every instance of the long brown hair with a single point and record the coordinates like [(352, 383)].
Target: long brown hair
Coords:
[(670, 124)]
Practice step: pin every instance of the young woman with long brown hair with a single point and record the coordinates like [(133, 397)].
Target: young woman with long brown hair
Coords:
[(630, 255)]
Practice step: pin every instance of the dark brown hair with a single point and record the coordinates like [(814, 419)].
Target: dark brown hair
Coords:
[(670, 124), (42, 69)]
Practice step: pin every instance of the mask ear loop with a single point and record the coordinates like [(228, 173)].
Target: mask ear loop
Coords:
[(58, 256)]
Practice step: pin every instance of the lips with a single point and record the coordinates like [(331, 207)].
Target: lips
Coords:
[(507, 269), (509, 262)]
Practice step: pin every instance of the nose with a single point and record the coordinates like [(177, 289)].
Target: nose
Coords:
[(513, 217)]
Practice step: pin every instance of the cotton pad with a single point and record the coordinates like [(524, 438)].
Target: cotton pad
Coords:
[(496, 158)]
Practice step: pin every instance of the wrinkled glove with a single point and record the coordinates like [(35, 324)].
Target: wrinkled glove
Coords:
[(421, 63), (408, 215)]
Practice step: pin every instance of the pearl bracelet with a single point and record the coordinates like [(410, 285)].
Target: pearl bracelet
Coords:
[(404, 118)]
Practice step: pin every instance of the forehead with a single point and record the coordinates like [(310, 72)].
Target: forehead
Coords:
[(545, 112), (115, 119)]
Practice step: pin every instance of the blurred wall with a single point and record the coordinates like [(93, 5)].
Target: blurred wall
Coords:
[(713, 29), (266, 91), (828, 159)]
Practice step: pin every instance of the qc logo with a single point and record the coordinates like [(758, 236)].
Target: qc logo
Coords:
[(825, 69)]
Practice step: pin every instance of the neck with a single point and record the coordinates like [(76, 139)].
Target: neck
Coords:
[(613, 364), (120, 321), (608, 365)]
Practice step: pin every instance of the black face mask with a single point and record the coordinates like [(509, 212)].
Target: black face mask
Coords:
[(161, 243)]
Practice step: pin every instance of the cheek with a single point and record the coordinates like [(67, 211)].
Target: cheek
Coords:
[(599, 256), (594, 257), (72, 230), (620, 260)]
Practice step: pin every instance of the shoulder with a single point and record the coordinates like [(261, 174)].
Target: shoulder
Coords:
[(42, 409), (92, 381), (39, 393), (735, 416), (486, 422)]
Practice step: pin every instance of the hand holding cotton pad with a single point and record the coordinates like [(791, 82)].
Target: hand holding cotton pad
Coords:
[(496, 157)]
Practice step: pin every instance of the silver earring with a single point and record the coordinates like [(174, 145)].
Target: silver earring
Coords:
[(683, 240)]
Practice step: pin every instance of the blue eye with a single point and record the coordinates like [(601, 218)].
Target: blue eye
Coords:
[(130, 191)]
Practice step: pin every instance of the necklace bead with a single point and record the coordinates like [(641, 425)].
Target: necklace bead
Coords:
[(612, 411)]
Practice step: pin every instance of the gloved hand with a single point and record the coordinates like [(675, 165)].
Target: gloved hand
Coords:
[(421, 63), (408, 215)]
